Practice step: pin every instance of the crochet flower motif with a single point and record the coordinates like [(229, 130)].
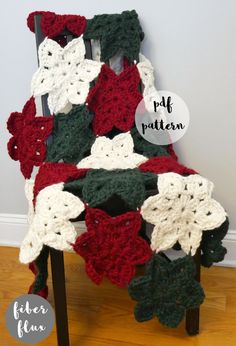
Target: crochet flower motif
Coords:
[(111, 246), (29, 134), (166, 291), (53, 24), (114, 99), (181, 211), (63, 73), (50, 223), (116, 153), (116, 32), (72, 137)]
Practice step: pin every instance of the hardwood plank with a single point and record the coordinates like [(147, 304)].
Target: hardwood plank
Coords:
[(103, 315)]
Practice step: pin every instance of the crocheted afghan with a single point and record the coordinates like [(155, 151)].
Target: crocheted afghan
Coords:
[(93, 162)]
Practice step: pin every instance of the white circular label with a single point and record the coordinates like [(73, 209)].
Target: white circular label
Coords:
[(162, 117)]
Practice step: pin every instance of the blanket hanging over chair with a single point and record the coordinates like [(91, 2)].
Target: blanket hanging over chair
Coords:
[(96, 156)]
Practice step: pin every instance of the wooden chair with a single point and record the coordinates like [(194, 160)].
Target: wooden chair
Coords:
[(57, 258)]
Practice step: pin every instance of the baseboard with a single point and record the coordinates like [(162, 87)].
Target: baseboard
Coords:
[(13, 228)]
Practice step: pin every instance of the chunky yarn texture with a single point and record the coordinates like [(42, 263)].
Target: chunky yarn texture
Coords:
[(181, 211), (29, 134), (93, 164), (116, 32), (63, 73), (166, 291), (111, 246)]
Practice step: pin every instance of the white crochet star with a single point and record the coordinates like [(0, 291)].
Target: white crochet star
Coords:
[(116, 153), (50, 223), (181, 211), (64, 73)]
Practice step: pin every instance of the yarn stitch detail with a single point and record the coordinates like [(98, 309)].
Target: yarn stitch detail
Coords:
[(53, 24), (111, 246), (50, 223), (63, 73), (181, 211), (110, 154), (211, 245), (29, 134), (100, 185), (114, 99), (116, 32), (165, 164), (54, 173), (166, 291), (72, 138)]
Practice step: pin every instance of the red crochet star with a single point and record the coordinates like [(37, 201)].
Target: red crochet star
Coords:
[(114, 99), (29, 134), (164, 164), (111, 246), (53, 24)]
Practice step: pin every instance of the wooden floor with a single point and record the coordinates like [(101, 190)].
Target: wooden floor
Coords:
[(103, 315)]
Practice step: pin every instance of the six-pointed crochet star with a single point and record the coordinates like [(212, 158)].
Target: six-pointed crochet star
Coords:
[(29, 134), (50, 223), (111, 246), (166, 291), (181, 211), (114, 99), (72, 137), (115, 153), (63, 73)]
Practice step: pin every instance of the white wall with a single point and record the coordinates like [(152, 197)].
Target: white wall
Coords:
[(191, 44)]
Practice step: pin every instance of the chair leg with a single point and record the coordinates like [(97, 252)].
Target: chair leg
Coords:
[(59, 290), (193, 315)]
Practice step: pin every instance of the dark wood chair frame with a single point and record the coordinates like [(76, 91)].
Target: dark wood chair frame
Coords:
[(57, 257)]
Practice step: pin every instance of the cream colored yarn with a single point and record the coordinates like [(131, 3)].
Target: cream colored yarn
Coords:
[(116, 153), (49, 224), (146, 72), (64, 73), (181, 211)]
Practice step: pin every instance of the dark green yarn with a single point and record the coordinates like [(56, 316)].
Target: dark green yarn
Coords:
[(72, 137), (211, 245), (42, 267), (166, 291), (141, 146), (100, 185), (116, 32)]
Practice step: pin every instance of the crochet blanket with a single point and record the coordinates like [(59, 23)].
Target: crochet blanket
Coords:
[(97, 164)]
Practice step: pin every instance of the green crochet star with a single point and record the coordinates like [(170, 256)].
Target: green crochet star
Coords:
[(116, 32), (100, 185), (72, 138), (166, 291), (211, 245), (141, 146)]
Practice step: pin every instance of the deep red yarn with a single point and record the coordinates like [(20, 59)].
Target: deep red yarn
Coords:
[(53, 24), (164, 164), (111, 246), (114, 99), (29, 134), (53, 173), (43, 292)]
